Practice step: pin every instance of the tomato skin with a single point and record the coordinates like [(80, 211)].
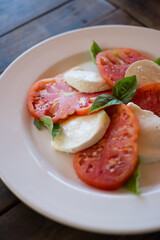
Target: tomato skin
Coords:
[(55, 99), (112, 64), (111, 162), (147, 97)]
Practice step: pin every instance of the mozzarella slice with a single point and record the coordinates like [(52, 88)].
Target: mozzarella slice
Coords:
[(146, 72), (149, 138), (78, 133), (85, 81)]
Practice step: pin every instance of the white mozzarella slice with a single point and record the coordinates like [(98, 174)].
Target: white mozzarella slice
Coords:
[(149, 138), (85, 81), (78, 133), (146, 72)]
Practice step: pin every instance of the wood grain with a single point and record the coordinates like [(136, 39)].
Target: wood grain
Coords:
[(17, 12), (23, 223), (147, 12), (117, 17), (7, 199), (25, 23), (70, 16)]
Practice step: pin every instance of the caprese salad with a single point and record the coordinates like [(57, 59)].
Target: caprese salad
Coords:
[(105, 115)]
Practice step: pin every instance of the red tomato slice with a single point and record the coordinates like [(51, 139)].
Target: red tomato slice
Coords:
[(112, 64), (56, 99), (111, 162), (147, 97)]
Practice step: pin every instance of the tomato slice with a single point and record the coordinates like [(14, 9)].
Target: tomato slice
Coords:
[(56, 99), (112, 64), (147, 97), (110, 163)]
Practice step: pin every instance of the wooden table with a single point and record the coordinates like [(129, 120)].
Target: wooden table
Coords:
[(25, 23)]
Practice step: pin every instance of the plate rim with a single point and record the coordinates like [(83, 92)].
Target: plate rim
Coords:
[(82, 227), (72, 31)]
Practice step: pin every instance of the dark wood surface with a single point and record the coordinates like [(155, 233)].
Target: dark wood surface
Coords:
[(25, 23)]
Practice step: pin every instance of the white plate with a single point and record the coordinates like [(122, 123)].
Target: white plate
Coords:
[(45, 179)]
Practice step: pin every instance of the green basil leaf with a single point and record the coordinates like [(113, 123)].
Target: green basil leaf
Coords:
[(94, 50), (125, 89), (56, 130), (37, 124), (157, 61), (103, 101), (133, 184), (47, 122)]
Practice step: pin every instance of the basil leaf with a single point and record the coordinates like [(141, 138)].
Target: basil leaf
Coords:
[(157, 61), (47, 122), (94, 50), (37, 124), (103, 101), (56, 130), (125, 89), (133, 184)]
